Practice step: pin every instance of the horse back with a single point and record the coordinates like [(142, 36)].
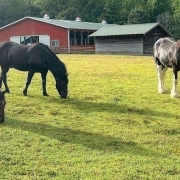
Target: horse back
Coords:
[(161, 50), (4, 49)]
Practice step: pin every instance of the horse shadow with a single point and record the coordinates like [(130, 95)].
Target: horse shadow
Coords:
[(111, 107), (94, 141), (115, 106)]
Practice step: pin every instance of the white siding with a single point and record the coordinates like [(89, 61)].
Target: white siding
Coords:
[(45, 39), (15, 39)]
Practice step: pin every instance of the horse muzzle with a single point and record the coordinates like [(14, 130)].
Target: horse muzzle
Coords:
[(64, 97), (1, 119)]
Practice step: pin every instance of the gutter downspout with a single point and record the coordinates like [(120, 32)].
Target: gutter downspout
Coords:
[(68, 43)]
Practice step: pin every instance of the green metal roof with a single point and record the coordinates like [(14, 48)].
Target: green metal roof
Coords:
[(99, 28), (130, 29), (64, 23), (71, 24)]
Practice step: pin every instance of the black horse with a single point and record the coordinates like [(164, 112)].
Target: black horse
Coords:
[(2, 106), (33, 58), (167, 55)]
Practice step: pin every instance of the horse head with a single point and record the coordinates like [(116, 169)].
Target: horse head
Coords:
[(62, 86), (2, 106)]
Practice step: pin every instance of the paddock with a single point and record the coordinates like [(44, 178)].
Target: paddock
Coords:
[(113, 126)]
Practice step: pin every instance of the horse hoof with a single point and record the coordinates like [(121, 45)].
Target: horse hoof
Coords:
[(7, 91), (45, 94), (175, 95), (1, 121), (162, 91)]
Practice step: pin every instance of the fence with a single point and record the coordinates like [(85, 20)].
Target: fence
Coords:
[(73, 49)]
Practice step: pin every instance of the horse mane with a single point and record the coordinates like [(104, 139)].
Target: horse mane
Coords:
[(53, 55), (178, 42)]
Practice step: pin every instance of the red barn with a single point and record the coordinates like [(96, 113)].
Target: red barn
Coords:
[(60, 35)]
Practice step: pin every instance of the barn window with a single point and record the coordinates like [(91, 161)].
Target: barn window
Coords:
[(28, 40), (55, 42)]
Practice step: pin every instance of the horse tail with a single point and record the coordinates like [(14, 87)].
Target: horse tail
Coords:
[(156, 51)]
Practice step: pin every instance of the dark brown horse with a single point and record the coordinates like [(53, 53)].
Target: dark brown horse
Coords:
[(35, 58), (2, 106), (167, 55)]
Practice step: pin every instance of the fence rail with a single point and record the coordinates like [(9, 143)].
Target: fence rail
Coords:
[(74, 49)]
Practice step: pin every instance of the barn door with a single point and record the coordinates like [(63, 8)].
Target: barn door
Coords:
[(45, 39), (15, 39)]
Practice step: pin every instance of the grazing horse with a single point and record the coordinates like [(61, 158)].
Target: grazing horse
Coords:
[(167, 55), (33, 58), (2, 106)]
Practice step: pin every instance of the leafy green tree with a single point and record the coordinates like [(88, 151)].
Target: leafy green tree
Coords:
[(123, 16), (11, 11), (112, 9), (134, 4), (68, 14), (93, 11), (138, 16), (157, 7), (175, 25), (30, 9), (51, 7)]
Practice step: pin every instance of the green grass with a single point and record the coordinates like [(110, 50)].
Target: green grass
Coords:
[(113, 126)]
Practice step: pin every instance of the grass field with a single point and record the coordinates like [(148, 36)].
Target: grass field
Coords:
[(114, 126)]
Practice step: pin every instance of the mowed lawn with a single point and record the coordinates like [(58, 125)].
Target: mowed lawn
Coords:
[(114, 126)]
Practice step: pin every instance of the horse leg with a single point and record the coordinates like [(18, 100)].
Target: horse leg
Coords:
[(29, 78), (161, 74), (174, 91), (3, 78), (43, 76)]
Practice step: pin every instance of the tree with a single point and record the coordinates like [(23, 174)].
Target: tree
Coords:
[(129, 5), (112, 9), (93, 11), (157, 7), (11, 11), (138, 16), (165, 19), (68, 14), (174, 28)]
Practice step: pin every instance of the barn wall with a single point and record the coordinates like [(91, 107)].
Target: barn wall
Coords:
[(151, 37), (124, 45), (32, 27)]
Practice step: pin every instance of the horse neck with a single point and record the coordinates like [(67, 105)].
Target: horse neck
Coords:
[(58, 69)]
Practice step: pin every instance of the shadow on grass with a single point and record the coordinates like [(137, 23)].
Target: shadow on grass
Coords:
[(94, 141), (114, 107)]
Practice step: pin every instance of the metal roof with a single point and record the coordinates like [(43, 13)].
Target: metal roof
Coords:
[(63, 23), (130, 29)]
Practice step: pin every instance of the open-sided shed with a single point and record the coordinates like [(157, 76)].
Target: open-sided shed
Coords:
[(128, 39)]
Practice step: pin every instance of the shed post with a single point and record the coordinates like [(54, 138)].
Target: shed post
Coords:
[(81, 38), (68, 42)]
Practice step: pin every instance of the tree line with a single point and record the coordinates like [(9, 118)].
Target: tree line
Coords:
[(167, 12)]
